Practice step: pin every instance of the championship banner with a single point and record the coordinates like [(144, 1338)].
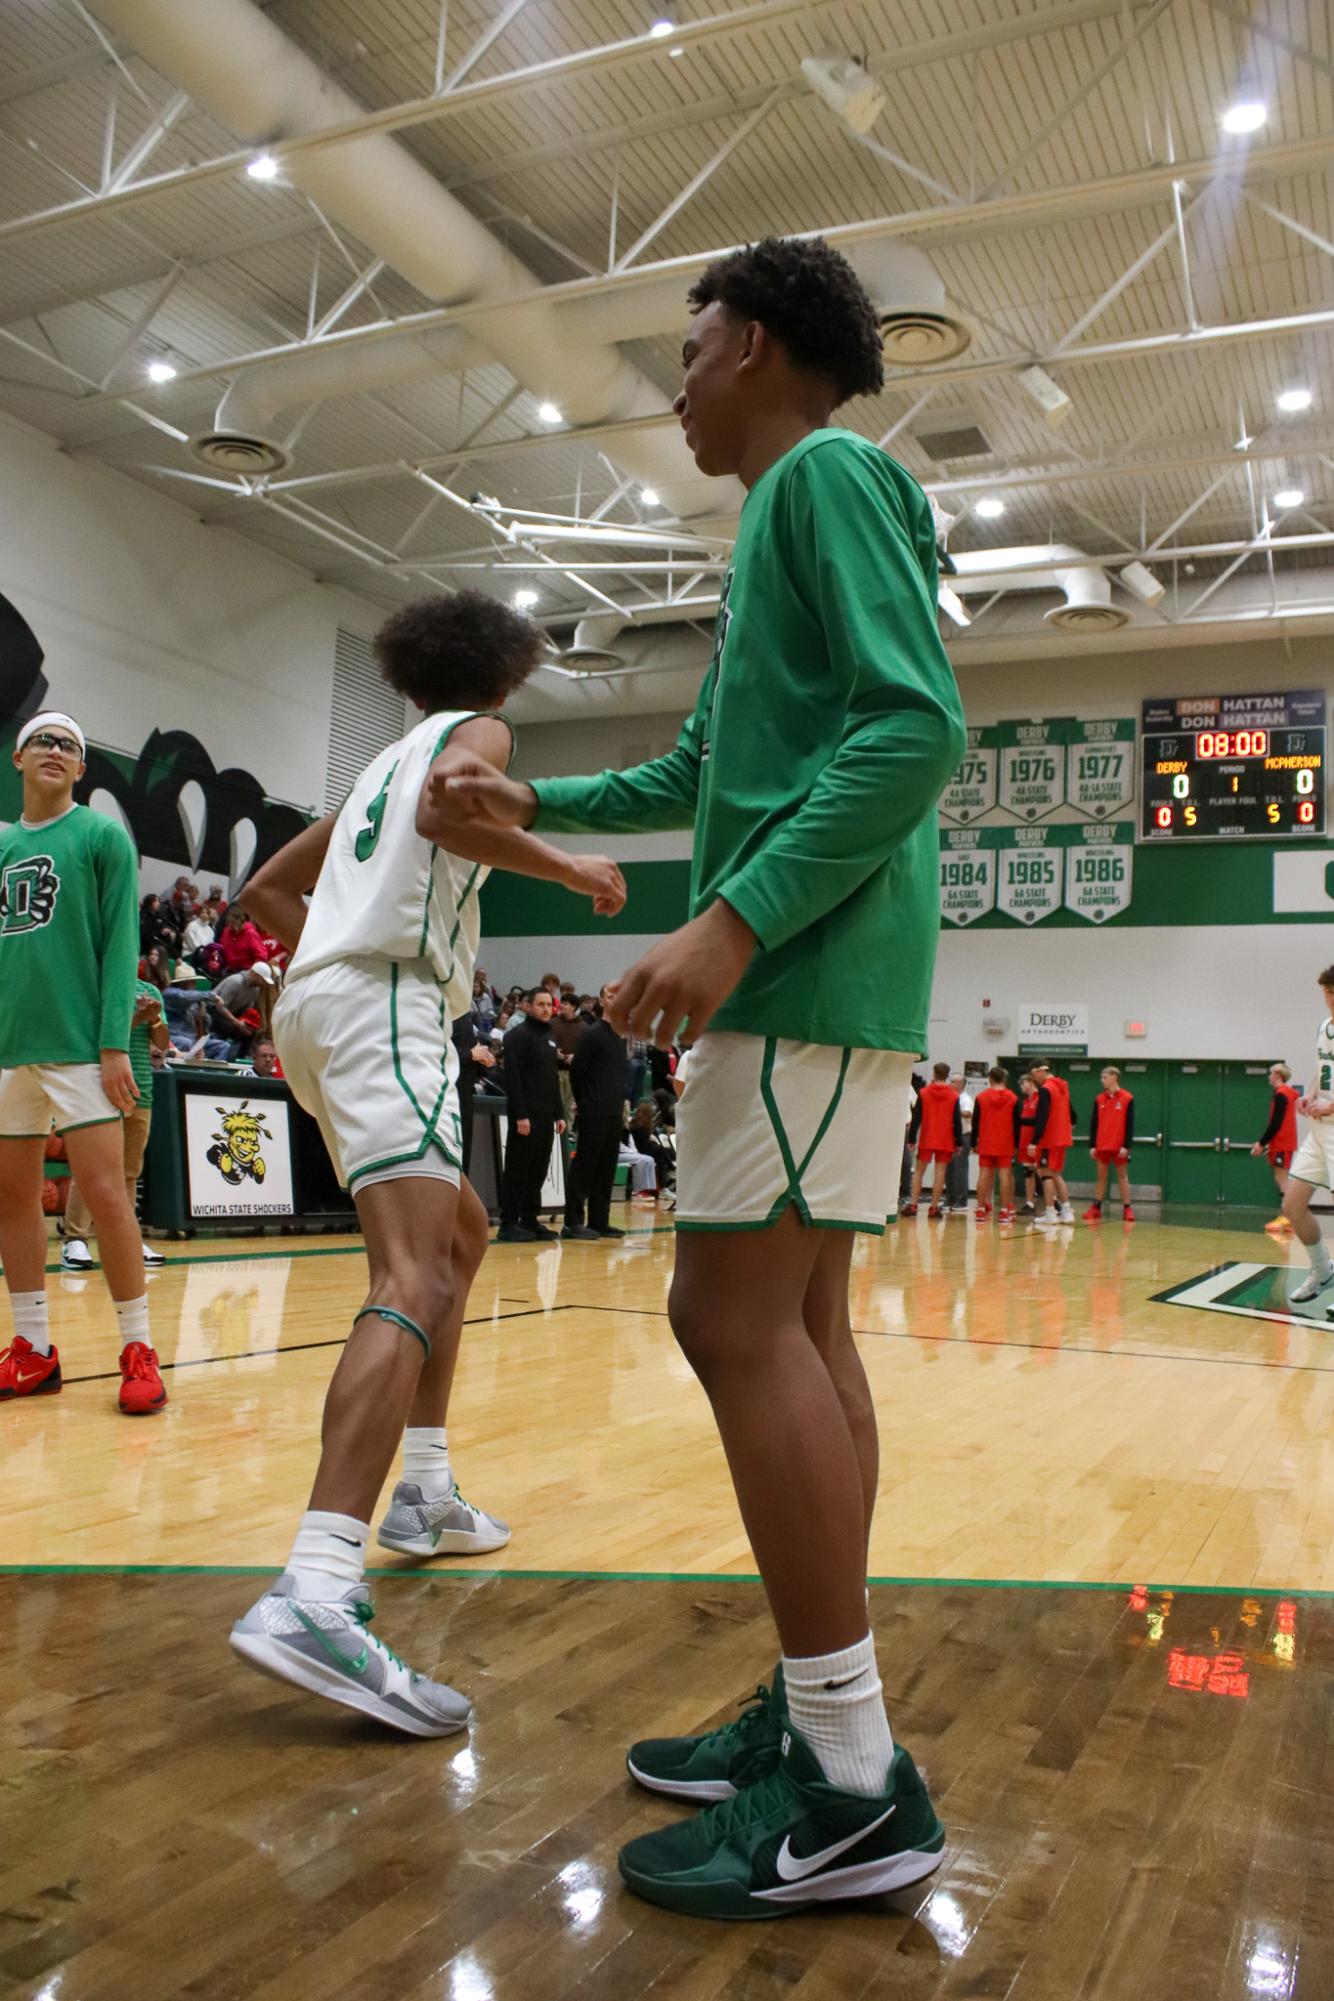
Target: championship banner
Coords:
[(972, 790), (1100, 767), (238, 1156), (1099, 871), (967, 873), (1032, 766), (1031, 872)]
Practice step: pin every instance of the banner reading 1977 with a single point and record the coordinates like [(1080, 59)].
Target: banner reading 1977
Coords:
[(972, 790), (1100, 767), (1032, 766)]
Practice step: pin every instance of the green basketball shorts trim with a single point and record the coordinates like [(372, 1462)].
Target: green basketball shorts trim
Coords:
[(764, 1123)]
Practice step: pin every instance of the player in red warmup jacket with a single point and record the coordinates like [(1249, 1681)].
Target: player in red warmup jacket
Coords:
[(995, 1139), (1053, 1136), (937, 1132), (1111, 1135), (1028, 1158), (1279, 1138)]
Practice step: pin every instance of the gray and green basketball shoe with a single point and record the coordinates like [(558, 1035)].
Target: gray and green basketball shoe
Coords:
[(789, 1841), (716, 1766)]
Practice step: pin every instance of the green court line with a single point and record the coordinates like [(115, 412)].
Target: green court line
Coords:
[(667, 1577), (316, 1251)]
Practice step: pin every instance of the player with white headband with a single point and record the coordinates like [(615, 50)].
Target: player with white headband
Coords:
[(69, 951)]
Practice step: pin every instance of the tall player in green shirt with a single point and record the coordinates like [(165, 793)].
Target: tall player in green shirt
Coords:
[(69, 948), (825, 731)]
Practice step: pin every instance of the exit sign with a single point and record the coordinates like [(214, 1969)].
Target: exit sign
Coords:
[(1136, 1029)]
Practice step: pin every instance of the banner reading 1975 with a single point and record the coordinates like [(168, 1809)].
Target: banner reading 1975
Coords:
[(972, 790)]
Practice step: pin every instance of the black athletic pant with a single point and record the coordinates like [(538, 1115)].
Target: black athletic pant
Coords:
[(526, 1161), (467, 1087), (593, 1171)]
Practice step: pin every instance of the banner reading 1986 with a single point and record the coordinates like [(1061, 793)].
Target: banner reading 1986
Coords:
[(1099, 871)]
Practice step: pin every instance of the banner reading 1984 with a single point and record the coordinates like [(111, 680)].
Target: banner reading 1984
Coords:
[(1032, 766), (972, 790), (967, 873)]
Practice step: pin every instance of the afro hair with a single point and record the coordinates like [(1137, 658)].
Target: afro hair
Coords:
[(810, 299), (463, 652)]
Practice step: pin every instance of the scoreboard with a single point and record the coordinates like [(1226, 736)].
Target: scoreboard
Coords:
[(1233, 767)]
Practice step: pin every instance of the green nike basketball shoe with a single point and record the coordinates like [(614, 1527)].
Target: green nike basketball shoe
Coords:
[(326, 1647), (789, 1841), (716, 1766)]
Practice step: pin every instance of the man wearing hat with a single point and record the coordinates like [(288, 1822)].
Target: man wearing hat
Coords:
[(242, 1005), (69, 946)]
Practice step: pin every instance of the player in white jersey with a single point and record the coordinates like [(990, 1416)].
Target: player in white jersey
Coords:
[(1313, 1163), (383, 958)]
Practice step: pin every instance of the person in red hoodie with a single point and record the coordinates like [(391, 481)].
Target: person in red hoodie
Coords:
[(242, 945), (1111, 1136), (1053, 1136), (995, 1138), (937, 1132), (1279, 1138)]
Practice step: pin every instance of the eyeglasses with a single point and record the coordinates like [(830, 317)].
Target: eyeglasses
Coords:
[(43, 740)]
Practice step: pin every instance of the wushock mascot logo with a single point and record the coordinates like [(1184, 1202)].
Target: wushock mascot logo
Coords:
[(235, 1151)]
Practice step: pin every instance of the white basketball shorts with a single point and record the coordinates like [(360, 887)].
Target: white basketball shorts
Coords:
[(365, 1047), (764, 1122), (36, 1096), (1314, 1158)]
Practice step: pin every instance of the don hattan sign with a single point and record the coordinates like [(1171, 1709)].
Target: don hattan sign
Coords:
[(1053, 1026)]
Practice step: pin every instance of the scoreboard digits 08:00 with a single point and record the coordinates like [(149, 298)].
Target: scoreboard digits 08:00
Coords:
[(1233, 767)]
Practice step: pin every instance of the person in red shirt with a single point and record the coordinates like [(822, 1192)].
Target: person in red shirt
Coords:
[(242, 946), (937, 1132), (995, 1138), (1053, 1136), (1111, 1135), (1028, 1111), (1279, 1138)]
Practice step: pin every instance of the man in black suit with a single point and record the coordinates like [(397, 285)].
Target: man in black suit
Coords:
[(532, 1086), (597, 1074)]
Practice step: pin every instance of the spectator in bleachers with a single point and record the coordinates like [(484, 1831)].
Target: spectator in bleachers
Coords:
[(644, 1140), (567, 1031), (264, 1057), (180, 904), (240, 940), (241, 1006), (198, 933), (155, 927), (156, 966), (188, 1019)]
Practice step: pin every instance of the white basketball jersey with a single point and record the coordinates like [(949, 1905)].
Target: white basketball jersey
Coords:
[(1324, 1060), (384, 891)]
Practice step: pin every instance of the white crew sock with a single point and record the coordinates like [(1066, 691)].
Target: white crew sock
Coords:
[(30, 1319), (132, 1315), (329, 1554), (1318, 1253), (844, 1723), (426, 1460)]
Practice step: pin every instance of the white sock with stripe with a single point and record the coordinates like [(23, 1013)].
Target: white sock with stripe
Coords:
[(30, 1320), (426, 1460), (329, 1553), (836, 1703)]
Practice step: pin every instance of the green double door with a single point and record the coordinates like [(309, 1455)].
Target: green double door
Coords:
[(1215, 1112)]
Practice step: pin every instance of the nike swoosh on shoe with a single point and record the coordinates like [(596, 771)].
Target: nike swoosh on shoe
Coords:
[(796, 1868), (352, 1664)]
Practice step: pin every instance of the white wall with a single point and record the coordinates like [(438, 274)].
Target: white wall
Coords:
[(151, 620)]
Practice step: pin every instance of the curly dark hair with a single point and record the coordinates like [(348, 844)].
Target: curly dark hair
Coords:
[(464, 652), (811, 300)]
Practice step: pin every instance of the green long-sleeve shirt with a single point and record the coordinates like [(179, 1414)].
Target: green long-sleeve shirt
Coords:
[(69, 939), (825, 731)]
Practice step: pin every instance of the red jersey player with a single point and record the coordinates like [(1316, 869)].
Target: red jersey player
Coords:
[(1028, 1158), (1111, 1134), (1053, 1136), (995, 1138), (937, 1130), (1279, 1138)]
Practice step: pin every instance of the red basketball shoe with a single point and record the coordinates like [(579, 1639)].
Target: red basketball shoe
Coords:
[(25, 1373), (141, 1390)]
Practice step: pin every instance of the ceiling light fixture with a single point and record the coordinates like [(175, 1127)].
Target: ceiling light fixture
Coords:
[(1294, 399), (661, 29), (1049, 396), (160, 371), (1289, 496), (263, 167), (990, 508), (549, 413), (848, 88), (649, 497), (1247, 116), (525, 600)]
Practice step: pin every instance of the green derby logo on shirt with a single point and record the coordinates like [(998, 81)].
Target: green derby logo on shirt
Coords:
[(28, 892)]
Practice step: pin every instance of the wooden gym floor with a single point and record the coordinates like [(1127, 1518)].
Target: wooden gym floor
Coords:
[(1102, 1551)]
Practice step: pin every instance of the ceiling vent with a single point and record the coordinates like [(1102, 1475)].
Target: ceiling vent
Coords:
[(230, 452), (917, 339), (964, 441), (593, 647), (1088, 607)]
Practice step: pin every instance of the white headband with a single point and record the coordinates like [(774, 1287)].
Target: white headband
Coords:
[(45, 720)]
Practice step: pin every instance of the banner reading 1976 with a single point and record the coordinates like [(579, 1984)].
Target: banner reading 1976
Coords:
[(1032, 766)]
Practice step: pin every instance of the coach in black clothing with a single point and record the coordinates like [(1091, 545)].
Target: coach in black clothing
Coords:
[(473, 1048), (532, 1086), (597, 1075)]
